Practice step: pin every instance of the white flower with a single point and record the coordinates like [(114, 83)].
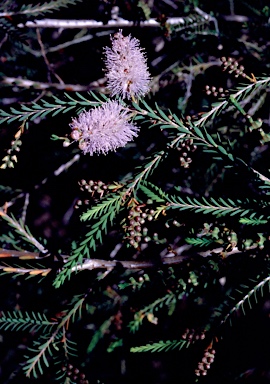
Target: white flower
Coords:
[(126, 67), (103, 129)]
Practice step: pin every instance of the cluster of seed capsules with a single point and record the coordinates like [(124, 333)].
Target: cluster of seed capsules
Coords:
[(233, 66), (136, 227), (192, 335), (185, 149), (95, 191), (74, 374), (205, 364)]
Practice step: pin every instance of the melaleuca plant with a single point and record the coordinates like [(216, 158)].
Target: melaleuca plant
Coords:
[(166, 240)]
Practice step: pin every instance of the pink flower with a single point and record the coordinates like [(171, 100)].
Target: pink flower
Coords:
[(103, 129), (127, 71)]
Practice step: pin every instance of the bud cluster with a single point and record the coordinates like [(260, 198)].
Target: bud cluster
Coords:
[(219, 233), (74, 374), (136, 228), (137, 284), (254, 243), (216, 92), (233, 66), (95, 189), (185, 149), (205, 364), (191, 335), (229, 238), (10, 159), (193, 278)]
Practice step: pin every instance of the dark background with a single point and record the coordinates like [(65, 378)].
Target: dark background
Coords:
[(243, 349)]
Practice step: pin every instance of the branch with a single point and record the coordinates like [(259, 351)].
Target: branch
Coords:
[(91, 264), (117, 22)]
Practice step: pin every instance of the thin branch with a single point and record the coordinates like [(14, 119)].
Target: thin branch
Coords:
[(208, 17), (23, 232), (42, 352), (206, 116), (49, 66), (236, 18), (261, 176), (145, 171), (46, 346), (5, 38), (26, 83), (252, 292), (24, 271), (25, 206), (65, 166), (24, 255), (78, 39)]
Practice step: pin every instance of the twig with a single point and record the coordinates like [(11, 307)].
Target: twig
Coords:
[(23, 255), (188, 79), (49, 66), (26, 83), (232, 7), (30, 271), (25, 206), (236, 18), (76, 40), (22, 231), (65, 166), (131, 187), (209, 18), (256, 85), (3, 40)]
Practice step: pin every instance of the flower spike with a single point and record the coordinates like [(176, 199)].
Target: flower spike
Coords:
[(103, 129), (126, 67)]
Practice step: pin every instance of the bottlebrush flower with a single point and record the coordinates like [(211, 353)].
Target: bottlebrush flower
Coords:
[(126, 67), (103, 129)]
